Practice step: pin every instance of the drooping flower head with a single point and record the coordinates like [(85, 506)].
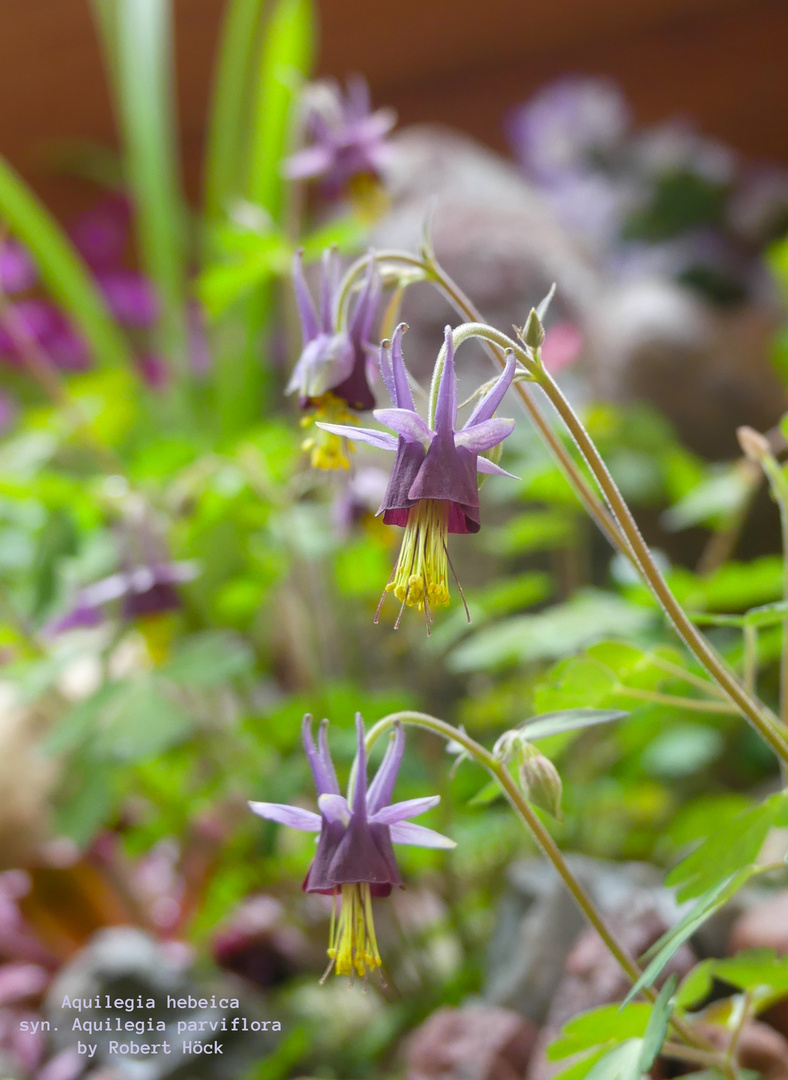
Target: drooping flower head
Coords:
[(434, 487), (330, 375), (354, 860), (347, 139)]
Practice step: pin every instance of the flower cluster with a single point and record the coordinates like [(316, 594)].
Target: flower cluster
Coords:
[(330, 376), (434, 487), (354, 860)]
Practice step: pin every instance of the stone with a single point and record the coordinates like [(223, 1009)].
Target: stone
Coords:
[(474, 1042)]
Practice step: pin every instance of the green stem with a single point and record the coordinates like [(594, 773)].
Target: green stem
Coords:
[(755, 712), (779, 489), (522, 808), (691, 704)]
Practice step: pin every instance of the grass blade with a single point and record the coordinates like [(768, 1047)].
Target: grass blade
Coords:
[(61, 268), (230, 104)]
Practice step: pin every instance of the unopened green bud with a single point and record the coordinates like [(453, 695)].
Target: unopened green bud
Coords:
[(540, 781), (533, 332)]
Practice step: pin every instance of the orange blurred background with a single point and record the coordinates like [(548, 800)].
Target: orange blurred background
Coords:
[(720, 62)]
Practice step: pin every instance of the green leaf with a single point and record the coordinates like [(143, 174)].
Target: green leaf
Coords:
[(658, 1022), (622, 1063), (682, 750), (580, 1069), (91, 804), (57, 539), (540, 727), (210, 658), (62, 270), (138, 44), (712, 502), (707, 905), (140, 720), (590, 615), (598, 1026), (230, 104), (696, 986), (726, 851), (285, 57), (759, 971)]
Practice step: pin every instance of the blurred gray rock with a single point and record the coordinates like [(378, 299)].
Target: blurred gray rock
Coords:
[(705, 368), (539, 923), (125, 962)]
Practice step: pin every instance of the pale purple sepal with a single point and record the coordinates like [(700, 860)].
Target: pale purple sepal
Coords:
[(293, 816), (401, 811), (419, 836)]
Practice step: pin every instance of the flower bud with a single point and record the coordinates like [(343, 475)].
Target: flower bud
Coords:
[(533, 332), (540, 781), (754, 445)]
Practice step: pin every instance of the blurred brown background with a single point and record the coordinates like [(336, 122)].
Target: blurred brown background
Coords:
[(722, 62)]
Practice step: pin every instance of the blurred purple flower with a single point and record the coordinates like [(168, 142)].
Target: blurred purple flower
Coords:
[(100, 234), (433, 489), (144, 590), (17, 270), (154, 370), (347, 139), (331, 372), (130, 298), (354, 860), (48, 329), (566, 125)]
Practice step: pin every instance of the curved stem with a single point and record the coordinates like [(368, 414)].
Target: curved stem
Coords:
[(524, 811), (754, 711)]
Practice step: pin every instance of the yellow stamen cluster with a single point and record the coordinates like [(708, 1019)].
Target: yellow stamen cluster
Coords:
[(421, 576), (326, 450), (353, 949)]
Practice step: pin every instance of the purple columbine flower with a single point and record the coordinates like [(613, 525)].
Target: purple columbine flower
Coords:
[(348, 140), (141, 591), (331, 373), (354, 860), (434, 488)]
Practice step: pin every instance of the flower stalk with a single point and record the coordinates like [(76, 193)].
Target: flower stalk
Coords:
[(496, 767)]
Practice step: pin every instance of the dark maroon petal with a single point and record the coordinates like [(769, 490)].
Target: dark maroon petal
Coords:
[(447, 473), (159, 598), (410, 458), (319, 877), (463, 519), (362, 856), (355, 389), (396, 517)]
